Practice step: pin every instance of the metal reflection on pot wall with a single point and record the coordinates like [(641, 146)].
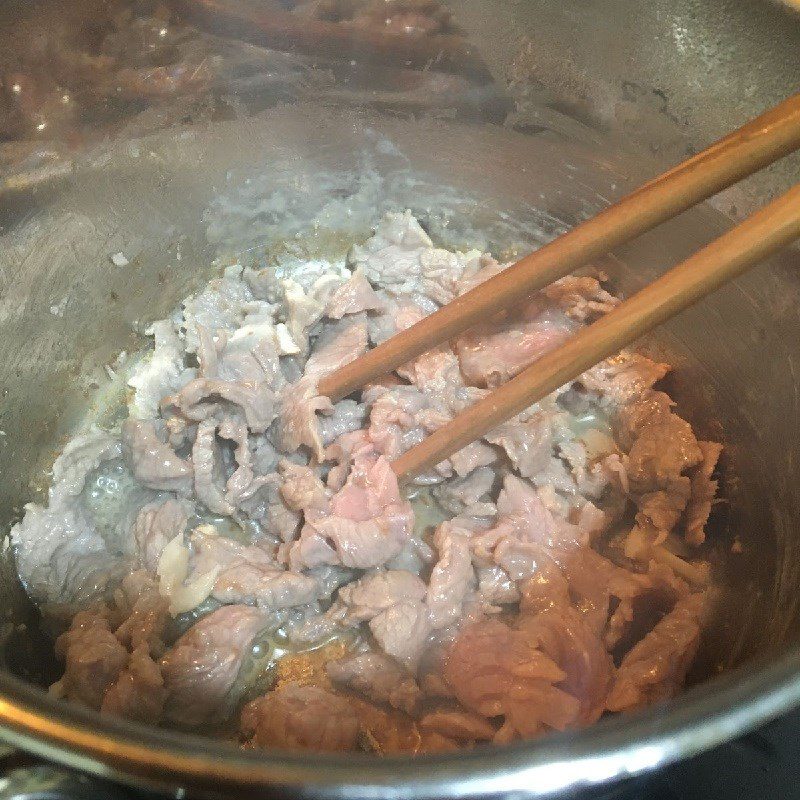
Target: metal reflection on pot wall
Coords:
[(544, 68)]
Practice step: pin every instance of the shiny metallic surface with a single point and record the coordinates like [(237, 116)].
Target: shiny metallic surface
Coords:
[(198, 190)]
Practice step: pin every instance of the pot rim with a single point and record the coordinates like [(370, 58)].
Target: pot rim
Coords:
[(704, 716)]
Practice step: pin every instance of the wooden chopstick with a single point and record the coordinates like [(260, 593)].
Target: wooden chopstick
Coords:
[(760, 235), (753, 146)]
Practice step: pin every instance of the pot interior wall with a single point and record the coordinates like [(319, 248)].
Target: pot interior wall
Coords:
[(304, 182)]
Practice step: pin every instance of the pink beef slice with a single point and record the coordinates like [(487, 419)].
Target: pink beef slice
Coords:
[(378, 678), (523, 514), (352, 297), (301, 487), (469, 496), (562, 633), (581, 297), (662, 451), (142, 612), (298, 418), (663, 508), (156, 525), (392, 603), (615, 603), (94, 659), (374, 593), (367, 522), (200, 670), (138, 692), (108, 653), (643, 601), (339, 344), (495, 351), (248, 574), (461, 726), (209, 481), (348, 416), (563, 613), (300, 717), (495, 670), (394, 423), (402, 415), (703, 491), (656, 667), (402, 632), (594, 581), (624, 379), (452, 577), (298, 424), (663, 445), (202, 398), (153, 462), (528, 443)]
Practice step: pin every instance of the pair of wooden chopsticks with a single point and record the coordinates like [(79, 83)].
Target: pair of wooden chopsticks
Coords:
[(760, 142)]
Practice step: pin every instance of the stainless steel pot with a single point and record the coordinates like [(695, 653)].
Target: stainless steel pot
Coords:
[(300, 180)]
